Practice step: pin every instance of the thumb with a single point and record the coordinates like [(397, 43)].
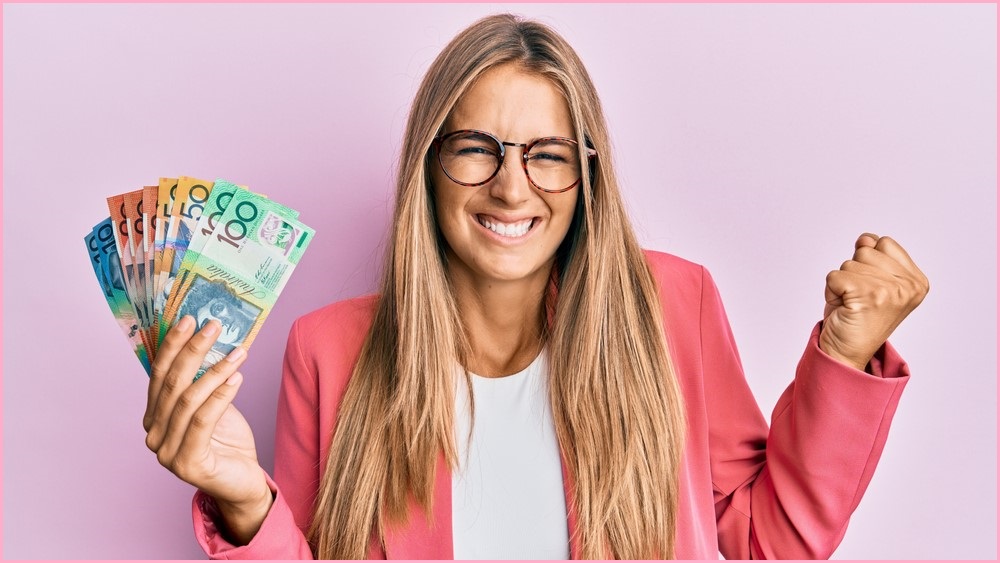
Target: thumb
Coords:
[(866, 239)]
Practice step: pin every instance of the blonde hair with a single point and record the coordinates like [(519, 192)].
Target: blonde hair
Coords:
[(615, 401)]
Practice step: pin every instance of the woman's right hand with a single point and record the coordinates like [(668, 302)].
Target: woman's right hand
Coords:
[(198, 434)]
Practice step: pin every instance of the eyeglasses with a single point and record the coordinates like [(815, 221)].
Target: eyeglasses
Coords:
[(473, 158)]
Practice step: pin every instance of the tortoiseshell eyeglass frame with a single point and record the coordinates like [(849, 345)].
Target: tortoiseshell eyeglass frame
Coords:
[(436, 145)]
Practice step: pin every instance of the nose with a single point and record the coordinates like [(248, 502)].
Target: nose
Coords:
[(511, 184)]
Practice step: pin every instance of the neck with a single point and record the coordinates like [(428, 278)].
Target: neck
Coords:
[(503, 320)]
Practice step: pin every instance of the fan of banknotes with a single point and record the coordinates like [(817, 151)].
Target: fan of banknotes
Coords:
[(212, 250)]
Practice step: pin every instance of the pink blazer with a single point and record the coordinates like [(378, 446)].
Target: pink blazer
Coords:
[(746, 491)]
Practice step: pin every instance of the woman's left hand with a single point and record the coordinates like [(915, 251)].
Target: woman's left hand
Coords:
[(867, 298)]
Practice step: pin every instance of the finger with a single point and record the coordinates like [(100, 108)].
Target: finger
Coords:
[(178, 378), (834, 292), (192, 399), (866, 239), (894, 250), (833, 302), (880, 260), (842, 285), (171, 345), (864, 269), (198, 439)]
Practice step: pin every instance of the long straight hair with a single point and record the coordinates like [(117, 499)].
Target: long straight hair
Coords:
[(615, 400)]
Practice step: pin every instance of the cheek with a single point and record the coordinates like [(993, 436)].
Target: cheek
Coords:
[(564, 209), (449, 208)]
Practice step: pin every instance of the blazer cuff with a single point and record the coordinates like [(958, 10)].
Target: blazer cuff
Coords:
[(206, 517), (885, 364)]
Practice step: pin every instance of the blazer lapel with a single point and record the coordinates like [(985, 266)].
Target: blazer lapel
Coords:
[(420, 538)]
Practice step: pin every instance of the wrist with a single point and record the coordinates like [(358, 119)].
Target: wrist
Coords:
[(260, 501), (832, 350), (243, 519)]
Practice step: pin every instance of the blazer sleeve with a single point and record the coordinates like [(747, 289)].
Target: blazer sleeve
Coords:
[(296, 468), (788, 492)]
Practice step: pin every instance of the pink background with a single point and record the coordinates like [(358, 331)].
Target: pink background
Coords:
[(757, 140)]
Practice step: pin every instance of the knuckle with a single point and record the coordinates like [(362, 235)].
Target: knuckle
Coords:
[(218, 370), (152, 442), (164, 459), (881, 295), (173, 339), (902, 294), (184, 402), (222, 393), (846, 264), (199, 421), (158, 370), (181, 468), (193, 346), (918, 290), (169, 385)]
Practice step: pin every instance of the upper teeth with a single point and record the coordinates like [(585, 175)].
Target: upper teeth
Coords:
[(503, 229)]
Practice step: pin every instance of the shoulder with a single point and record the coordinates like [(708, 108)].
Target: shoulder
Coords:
[(676, 277), (344, 315), (334, 332)]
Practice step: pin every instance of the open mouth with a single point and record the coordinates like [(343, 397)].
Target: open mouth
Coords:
[(509, 230)]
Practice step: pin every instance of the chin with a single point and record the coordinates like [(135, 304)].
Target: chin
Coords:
[(512, 268)]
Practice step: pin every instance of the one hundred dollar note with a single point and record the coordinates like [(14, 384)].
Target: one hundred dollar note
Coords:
[(107, 268), (240, 272), (222, 194)]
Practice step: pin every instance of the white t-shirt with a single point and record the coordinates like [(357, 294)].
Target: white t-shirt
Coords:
[(507, 495)]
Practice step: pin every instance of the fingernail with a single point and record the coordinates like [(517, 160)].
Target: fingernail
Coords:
[(236, 354), (211, 329), (234, 379), (186, 322)]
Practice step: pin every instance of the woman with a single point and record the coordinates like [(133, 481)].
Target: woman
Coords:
[(392, 440)]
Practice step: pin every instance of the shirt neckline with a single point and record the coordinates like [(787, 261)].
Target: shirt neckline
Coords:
[(519, 375)]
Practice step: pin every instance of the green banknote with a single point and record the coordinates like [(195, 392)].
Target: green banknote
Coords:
[(239, 272), (222, 194), (107, 267)]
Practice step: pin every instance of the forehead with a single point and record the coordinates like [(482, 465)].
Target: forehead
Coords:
[(514, 104)]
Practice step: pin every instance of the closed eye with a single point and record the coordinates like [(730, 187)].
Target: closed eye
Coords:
[(475, 151), (547, 157)]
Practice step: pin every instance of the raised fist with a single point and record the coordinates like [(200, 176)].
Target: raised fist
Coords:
[(867, 298)]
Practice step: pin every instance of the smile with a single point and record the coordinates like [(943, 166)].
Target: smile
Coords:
[(509, 230)]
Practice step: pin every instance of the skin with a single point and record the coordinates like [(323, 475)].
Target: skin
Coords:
[(199, 435), (867, 298), (231, 333), (500, 282)]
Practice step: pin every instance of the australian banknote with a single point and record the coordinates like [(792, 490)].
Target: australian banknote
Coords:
[(107, 268), (240, 271), (213, 250)]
